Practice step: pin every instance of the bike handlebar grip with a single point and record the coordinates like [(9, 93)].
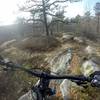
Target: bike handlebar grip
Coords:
[(96, 81)]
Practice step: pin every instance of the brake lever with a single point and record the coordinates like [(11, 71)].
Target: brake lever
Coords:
[(80, 83)]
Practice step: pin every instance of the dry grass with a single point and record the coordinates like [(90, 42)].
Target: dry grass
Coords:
[(12, 87), (79, 93), (15, 83)]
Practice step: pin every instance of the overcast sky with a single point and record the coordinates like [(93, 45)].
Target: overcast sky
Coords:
[(9, 9)]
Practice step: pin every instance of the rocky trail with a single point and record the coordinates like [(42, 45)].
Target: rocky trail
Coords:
[(56, 60)]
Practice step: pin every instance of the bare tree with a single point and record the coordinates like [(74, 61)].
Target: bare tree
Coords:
[(87, 18), (58, 20), (43, 7)]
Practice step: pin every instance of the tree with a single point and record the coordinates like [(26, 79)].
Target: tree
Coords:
[(67, 20), (44, 8), (87, 14), (20, 20), (87, 17), (77, 21), (58, 20), (97, 13)]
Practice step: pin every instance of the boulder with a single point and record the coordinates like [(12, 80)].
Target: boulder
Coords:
[(66, 38), (89, 66), (90, 50), (79, 39), (30, 95), (7, 44)]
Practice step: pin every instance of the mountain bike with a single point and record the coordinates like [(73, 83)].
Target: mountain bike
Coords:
[(41, 90)]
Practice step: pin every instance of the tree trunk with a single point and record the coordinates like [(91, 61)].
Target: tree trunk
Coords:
[(45, 18), (57, 27), (98, 24)]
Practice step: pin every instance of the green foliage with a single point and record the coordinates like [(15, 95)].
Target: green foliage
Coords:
[(87, 14), (76, 19), (60, 14)]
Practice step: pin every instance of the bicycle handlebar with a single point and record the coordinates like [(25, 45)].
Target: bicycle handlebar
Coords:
[(94, 80), (43, 74), (42, 89)]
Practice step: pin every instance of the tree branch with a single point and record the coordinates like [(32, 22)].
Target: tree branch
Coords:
[(52, 15), (57, 1), (47, 1), (40, 20), (57, 20)]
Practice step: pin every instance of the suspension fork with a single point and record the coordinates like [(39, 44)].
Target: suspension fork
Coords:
[(42, 88)]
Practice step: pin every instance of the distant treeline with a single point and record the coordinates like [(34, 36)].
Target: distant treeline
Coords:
[(83, 26)]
